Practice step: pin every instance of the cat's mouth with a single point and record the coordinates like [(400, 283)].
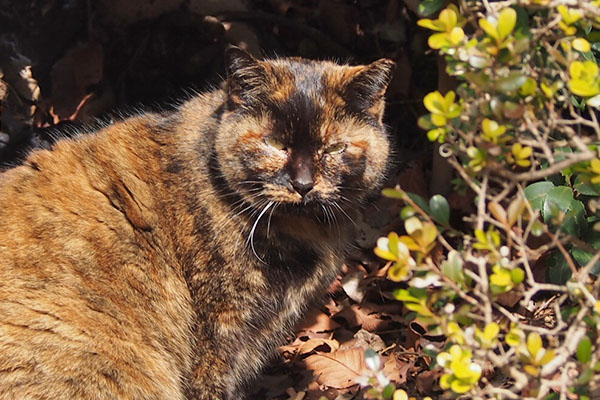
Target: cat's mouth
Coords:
[(319, 211)]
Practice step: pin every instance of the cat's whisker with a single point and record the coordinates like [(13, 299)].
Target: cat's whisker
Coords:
[(350, 204), (337, 224), (325, 215), (351, 188), (269, 220), (345, 213), (251, 237)]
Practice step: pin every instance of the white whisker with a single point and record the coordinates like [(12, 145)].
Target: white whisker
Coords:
[(345, 213), (269, 220), (251, 237)]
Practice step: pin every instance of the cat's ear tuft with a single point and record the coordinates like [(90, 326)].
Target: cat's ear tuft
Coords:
[(245, 76), (367, 87)]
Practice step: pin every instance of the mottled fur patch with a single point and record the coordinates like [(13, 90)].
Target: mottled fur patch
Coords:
[(167, 256)]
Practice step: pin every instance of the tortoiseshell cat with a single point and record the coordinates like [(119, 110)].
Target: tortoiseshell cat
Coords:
[(166, 256)]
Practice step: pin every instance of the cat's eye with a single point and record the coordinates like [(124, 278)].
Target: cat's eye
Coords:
[(335, 148), (277, 144)]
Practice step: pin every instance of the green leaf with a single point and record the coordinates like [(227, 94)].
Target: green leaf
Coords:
[(392, 193), (583, 257), (512, 82), (537, 192), (584, 350), (584, 379), (586, 188), (421, 202), (388, 391), (506, 22), (517, 275), (425, 122), (537, 229), (440, 210), (453, 268), (560, 200), (428, 7), (407, 212), (405, 296), (561, 196), (558, 269), (574, 222), (522, 27)]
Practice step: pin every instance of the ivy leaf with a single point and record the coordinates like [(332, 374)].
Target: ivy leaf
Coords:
[(586, 188), (440, 210), (537, 192), (428, 7), (583, 257), (558, 269), (560, 200)]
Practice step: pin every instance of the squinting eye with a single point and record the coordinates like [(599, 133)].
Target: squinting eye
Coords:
[(335, 148), (275, 143)]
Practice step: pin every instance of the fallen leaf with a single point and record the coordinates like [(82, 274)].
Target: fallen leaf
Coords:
[(426, 379), (396, 370), (311, 344), (317, 321), (339, 369), (365, 339)]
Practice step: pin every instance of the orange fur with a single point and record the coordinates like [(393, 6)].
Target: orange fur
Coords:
[(134, 263)]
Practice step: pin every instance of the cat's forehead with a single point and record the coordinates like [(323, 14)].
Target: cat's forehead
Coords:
[(310, 76), (307, 95)]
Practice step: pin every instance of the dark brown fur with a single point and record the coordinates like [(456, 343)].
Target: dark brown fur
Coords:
[(166, 256)]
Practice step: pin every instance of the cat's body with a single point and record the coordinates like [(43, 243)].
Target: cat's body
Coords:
[(166, 256)]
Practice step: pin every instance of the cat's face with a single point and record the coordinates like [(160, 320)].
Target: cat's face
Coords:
[(303, 137)]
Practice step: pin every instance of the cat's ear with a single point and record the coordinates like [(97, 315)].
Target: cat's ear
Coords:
[(246, 76), (366, 89)]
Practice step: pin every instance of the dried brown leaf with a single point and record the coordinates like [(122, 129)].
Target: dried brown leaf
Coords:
[(311, 344), (317, 321), (340, 369)]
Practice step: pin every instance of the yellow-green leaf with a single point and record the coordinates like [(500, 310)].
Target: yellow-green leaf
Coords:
[(448, 18), (534, 343), (491, 331), (506, 22), (488, 28), (582, 45), (583, 88), (430, 24), (434, 102)]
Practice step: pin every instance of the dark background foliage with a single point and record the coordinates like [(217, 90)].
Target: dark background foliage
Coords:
[(95, 59)]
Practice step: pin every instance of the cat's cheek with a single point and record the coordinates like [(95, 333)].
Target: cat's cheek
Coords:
[(269, 163), (377, 164), (326, 189)]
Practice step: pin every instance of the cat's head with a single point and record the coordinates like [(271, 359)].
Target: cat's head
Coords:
[(303, 136)]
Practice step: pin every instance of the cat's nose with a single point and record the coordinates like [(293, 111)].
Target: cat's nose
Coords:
[(303, 184), (302, 174)]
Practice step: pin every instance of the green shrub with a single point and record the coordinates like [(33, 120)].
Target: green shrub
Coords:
[(521, 131)]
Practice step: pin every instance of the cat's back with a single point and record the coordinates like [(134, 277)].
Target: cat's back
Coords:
[(90, 307)]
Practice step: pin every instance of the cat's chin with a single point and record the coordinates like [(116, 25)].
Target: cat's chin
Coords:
[(312, 211)]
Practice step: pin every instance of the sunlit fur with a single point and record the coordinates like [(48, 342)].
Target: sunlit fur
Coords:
[(167, 256)]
